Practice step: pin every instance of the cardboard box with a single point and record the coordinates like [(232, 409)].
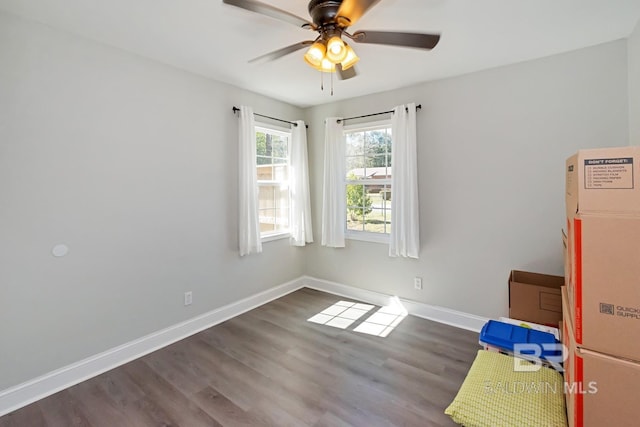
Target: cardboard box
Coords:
[(604, 285), (600, 390), (535, 297), (603, 181)]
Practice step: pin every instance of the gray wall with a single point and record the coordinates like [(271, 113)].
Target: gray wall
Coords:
[(132, 164), (491, 157), (633, 47)]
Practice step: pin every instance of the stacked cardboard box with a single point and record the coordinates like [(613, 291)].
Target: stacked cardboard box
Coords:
[(601, 302), (600, 389)]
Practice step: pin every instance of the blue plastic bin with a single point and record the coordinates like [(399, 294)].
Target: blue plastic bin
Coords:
[(504, 337)]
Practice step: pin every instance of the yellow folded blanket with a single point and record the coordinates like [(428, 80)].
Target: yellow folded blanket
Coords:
[(495, 394)]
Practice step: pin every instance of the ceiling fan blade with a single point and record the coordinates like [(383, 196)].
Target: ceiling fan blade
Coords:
[(282, 52), (345, 74), (353, 10), (417, 40), (268, 10)]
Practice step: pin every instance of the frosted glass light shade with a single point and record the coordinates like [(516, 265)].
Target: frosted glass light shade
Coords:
[(315, 54), (327, 66), (350, 58), (336, 50)]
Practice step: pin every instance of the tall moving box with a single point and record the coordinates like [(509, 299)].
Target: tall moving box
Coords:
[(601, 302), (603, 239)]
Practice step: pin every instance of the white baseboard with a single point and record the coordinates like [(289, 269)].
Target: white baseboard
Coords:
[(30, 391), (444, 315), (459, 319)]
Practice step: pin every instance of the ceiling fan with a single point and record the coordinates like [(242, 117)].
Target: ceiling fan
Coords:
[(330, 19)]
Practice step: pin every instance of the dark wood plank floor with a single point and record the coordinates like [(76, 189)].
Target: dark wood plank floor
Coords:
[(270, 367)]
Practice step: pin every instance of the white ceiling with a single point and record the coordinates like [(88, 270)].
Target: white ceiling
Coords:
[(215, 40)]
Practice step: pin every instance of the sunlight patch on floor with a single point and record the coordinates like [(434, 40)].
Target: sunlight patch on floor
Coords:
[(344, 313), (383, 321), (341, 314)]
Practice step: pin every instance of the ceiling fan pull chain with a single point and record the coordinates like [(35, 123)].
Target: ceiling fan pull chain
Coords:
[(321, 80), (331, 84)]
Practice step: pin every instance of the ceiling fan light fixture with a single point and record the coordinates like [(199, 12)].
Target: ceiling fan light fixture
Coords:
[(336, 50), (315, 54), (350, 58), (331, 19)]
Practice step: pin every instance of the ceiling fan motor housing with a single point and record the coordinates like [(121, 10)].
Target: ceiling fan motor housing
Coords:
[(324, 12)]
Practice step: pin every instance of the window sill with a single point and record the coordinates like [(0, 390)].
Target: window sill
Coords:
[(275, 236), (367, 237)]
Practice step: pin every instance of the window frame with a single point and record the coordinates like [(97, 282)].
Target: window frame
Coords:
[(281, 131), (366, 236)]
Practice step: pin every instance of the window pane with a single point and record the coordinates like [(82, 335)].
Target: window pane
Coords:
[(377, 172), (376, 221), (369, 208), (282, 219), (279, 146), (358, 205), (263, 160), (378, 160), (278, 160), (281, 173), (368, 159), (267, 220), (283, 197), (355, 143), (378, 141), (266, 197), (272, 149), (273, 197), (355, 167), (355, 220), (265, 172), (385, 197), (261, 145)]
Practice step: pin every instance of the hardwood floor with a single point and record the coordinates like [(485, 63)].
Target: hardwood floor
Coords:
[(270, 367)]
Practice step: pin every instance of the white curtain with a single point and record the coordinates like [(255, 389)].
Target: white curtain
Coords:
[(301, 232), (405, 230), (333, 192), (248, 223)]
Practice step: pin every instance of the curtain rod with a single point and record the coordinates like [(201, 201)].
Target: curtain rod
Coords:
[(419, 106), (236, 109)]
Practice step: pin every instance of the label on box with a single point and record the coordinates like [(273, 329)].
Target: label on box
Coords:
[(610, 174), (620, 310)]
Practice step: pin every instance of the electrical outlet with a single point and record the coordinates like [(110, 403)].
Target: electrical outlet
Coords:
[(188, 298), (417, 283)]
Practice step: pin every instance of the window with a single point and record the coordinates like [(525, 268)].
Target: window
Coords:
[(368, 181), (272, 149)]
